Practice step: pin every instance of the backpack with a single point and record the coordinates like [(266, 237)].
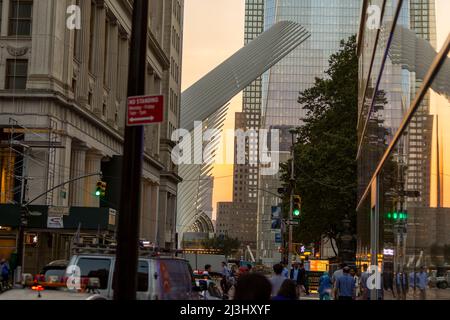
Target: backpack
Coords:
[(5, 271)]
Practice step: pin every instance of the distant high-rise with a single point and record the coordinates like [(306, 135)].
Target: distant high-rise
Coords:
[(237, 219)]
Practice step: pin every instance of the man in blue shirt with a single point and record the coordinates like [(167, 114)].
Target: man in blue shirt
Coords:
[(285, 272), (345, 286), (422, 283)]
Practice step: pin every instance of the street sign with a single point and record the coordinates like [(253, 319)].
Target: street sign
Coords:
[(278, 238), (293, 223), (145, 110), (55, 222), (58, 211)]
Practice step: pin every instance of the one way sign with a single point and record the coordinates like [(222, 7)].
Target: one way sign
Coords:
[(144, 110)]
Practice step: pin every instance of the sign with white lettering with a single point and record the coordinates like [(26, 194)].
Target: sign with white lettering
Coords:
[(144, 110)]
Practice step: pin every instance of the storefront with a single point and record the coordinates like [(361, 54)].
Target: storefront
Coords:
[(49, 232)]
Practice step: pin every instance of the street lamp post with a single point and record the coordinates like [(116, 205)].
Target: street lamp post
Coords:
[(125, 285), (293, 132)]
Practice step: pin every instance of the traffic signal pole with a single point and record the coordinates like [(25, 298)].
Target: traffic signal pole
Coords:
[(125, 285), (291, 204)]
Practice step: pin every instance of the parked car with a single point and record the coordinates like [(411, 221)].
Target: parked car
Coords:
[(439, 279)]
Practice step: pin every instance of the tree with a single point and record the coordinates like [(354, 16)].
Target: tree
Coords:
[(226, 245), (325, 152)]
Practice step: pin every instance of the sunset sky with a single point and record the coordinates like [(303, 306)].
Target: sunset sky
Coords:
[(213, 31)]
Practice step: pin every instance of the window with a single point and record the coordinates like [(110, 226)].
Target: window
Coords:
[(91, 37), (105, 57), (1, 12), (96, 268), (20, 18), (76, 42), (16, 74)]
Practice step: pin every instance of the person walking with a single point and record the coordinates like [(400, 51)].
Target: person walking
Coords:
[(287, 292), (325, 287), (277, 279), (401, 282), (413, 282), (365, 294), (4, 272), (338, 273), (345, 286), (295, 276), (422, 283), (253, 287), (303, 279), (354, 274), (225, 283), (285, 272)]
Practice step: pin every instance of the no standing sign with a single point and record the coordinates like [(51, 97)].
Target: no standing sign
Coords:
[(145, 110)]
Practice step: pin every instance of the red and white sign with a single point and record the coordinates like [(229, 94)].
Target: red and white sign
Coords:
[(145, 110)]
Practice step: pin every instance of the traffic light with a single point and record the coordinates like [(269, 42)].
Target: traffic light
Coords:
[(297, 207), (402, 216), (101, 189)]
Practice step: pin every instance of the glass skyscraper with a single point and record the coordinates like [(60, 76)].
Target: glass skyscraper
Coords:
[(403, 153), (329, 22)]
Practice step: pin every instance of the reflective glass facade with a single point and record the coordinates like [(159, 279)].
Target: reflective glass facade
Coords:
[(329, 22), (404, 150)]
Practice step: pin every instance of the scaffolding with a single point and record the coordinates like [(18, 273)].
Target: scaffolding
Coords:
[(24, 144)]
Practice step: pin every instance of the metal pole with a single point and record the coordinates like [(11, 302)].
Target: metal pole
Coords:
[(22, 224), (291, 205), (125, 285)]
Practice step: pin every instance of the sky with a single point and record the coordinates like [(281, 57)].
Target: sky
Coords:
[(213, 31)]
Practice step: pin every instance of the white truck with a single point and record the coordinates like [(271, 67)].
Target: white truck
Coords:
[(199, 261)]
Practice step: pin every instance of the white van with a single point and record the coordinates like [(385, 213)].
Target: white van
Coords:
[(159, 278)]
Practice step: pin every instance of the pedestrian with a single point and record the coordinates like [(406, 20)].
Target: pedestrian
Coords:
[(253, 287), (401, 283), (388, 282), (207, 269), (287, 292), (225, 283), (339, 272), (4, 272), (345, 285), (277, 279), (285, 272), (295, 276), (422, 283), (413, 282), (363, 282), (325, 286), (354, 274), (303, 279)]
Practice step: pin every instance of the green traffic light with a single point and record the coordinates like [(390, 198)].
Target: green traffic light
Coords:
[(395, 215), (98, 193), (389, 216), (296, 213)]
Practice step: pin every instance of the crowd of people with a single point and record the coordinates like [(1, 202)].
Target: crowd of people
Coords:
[(346, 283)]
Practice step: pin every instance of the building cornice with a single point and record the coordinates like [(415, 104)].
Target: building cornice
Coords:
[(86, 114), (156, 48), (171, 176)]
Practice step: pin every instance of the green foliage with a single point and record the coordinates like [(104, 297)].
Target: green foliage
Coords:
[(325, 153), (225, 244)]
